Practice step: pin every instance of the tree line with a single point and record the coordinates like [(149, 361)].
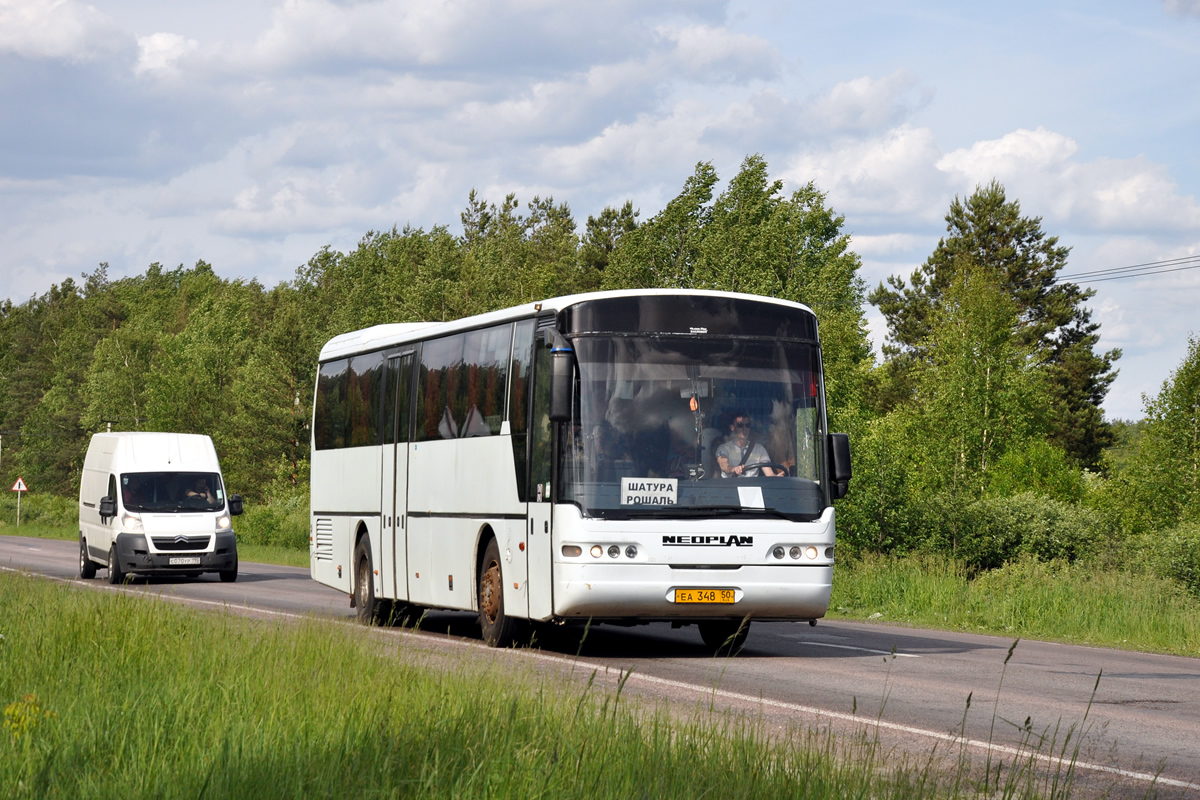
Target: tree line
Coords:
[(979, 432)]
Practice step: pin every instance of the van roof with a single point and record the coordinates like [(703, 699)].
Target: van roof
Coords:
[(144, 451)]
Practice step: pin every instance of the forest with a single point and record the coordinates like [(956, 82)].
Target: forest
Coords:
[(978, 435)]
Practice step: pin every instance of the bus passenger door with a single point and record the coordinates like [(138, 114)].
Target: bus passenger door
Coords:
[(540, 518), (393, 561)]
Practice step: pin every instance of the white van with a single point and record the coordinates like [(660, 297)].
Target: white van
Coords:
[(155, 504)]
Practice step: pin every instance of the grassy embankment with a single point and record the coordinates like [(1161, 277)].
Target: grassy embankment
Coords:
[(107, 695), (1125, 606)]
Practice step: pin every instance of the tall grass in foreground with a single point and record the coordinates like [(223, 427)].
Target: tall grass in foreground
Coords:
[(1080, 602), (112, 695)]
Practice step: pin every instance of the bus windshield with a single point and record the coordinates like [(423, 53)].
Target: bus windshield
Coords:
[(172, 491), (694, 426)]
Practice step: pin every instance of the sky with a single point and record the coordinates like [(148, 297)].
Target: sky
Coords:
[(252, 133)]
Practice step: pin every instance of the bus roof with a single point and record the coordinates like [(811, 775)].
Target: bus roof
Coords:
[(380, 336)]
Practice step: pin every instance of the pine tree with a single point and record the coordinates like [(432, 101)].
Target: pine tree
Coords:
[(988, 230)]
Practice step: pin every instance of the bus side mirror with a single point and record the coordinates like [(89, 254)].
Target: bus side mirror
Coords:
[(108, 507), (235, 504), (839, 464), (562, 375)]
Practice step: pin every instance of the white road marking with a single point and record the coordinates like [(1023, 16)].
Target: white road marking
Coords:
[(977, 744)]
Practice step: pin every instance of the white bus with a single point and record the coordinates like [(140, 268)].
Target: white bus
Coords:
[(573, 459)]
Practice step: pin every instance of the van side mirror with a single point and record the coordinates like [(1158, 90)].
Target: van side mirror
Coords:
[(839, 464), (108, 506), (562, 375), (235, 504)]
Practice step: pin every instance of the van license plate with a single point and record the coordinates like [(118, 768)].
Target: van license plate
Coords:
[(184, 561), (704, 596)]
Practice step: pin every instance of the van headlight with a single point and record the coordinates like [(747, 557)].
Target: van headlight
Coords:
[(131, 521), (223, 522)]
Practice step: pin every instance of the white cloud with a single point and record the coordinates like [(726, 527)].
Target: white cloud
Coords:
[(1183, 7), (57, 29), (893, 174), (1040, 167), (158, 52), (708, 52), (866, 104)]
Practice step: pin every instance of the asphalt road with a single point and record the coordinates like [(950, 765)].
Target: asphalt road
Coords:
[(1134, 717)]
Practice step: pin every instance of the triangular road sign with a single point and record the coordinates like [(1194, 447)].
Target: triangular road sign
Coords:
[(20, 486)]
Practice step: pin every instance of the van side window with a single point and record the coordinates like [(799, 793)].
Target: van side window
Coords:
[(112, 487)]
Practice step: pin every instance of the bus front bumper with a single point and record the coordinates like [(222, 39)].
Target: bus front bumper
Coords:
[(649, 592)]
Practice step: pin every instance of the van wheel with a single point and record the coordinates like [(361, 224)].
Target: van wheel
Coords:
[(725, 637), (499, 629), (229, 575), (115, 576), (364, 585), (87, 567)]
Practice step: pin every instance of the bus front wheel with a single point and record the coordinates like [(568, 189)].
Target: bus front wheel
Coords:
[(364, 585), (498, 629), (725, 637)]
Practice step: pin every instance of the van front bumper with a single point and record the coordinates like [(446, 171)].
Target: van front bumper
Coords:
[(134, 556)]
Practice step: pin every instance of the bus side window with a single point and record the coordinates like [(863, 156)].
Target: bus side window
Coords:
[(396, 400), (439, 401), (330, 414), (540, 456), (363, 400), (518, 401)]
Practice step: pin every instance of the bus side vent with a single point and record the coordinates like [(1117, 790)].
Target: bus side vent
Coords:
[(324, 549)]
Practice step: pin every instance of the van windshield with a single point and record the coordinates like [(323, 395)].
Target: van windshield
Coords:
[(172, 491)]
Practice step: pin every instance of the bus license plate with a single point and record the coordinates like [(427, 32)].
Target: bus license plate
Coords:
[(704, 596), (184, 561)]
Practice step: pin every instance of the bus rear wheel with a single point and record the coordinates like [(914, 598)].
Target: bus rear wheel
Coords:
[(499, 629), (724, 636)]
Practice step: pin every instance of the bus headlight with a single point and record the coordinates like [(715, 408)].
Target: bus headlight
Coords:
[(631, 552), (613, 551), (597, 551), (794, 552), (811, 552), (777, 552)]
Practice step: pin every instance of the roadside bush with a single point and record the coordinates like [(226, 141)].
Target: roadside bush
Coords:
[(281, 520), (39, 509), (1176, 554), (1038, 467), (998, 530)]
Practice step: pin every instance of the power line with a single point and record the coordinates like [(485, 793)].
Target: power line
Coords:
[(1133, 270)]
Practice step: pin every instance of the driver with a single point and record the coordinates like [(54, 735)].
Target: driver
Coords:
[(739, 455), (200, 488)]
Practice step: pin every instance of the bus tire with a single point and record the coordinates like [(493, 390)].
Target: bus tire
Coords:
[(364, 585), (115, 576), (499, 629), (725, 636), (87, 567)]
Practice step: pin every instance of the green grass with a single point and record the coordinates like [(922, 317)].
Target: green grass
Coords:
[(1082, 602), (108, 695)]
